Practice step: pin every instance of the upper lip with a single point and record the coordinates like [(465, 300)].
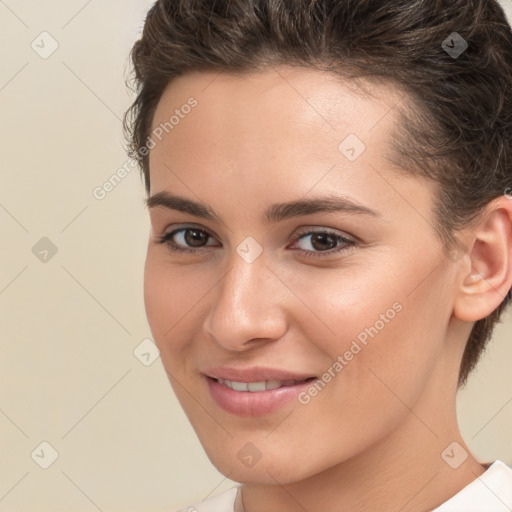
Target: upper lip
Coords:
[(254, 374)]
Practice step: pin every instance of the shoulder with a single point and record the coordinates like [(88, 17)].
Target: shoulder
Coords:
[(491, 492), (224, 502)]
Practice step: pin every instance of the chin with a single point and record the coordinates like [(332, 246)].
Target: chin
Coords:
[(268, 470)]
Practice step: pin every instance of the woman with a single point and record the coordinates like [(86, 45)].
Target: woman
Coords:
[(328, 185)]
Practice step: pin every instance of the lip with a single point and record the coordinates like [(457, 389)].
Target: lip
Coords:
[(250, 405), (254, 374)]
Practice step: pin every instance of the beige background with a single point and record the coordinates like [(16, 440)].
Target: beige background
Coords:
[(70, 325)]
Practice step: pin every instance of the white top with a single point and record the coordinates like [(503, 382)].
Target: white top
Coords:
[(490, 492)]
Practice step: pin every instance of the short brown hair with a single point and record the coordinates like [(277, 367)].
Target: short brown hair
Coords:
[(455, 127)]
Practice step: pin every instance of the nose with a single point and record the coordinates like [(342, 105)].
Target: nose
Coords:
[(247, 307)]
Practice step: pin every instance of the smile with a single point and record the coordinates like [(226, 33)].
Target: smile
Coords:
[(253, 399), (264, 385)]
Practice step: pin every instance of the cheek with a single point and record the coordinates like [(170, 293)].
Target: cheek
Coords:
[(388, 331), (164, 300), (339, 306), (399, 349), (155, 296), (174, 300)]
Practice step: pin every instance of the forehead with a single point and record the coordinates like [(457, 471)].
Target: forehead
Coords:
[(290, 91), (278, 130), (281, 108)]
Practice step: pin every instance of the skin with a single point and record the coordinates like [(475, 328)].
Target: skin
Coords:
[(372, 438)]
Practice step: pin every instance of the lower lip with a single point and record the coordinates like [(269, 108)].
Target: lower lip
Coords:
[(252, 404)]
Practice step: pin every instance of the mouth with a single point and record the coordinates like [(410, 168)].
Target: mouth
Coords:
[(257, 398), (264, 385)]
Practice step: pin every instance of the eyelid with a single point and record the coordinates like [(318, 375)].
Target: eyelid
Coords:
[(301, 231), (348, 242), (178, 227), (325, 229)]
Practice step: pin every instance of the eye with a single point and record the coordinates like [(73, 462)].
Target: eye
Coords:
[(190, 235), (321, 238), (192, 239)]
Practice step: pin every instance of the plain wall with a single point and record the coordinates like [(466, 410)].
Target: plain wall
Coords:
[(70, 324)]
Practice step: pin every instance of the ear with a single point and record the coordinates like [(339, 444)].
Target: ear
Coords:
[(484, 287)]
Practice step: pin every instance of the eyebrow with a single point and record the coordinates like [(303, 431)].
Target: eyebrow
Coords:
[(274, 213)]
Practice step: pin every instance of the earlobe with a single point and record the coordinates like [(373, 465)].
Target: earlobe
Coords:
[(485, 286)]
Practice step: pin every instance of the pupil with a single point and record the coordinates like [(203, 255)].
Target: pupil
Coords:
[(322, 237), (197, 236)]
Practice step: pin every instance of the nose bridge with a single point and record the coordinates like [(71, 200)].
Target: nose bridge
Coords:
[(245, 306), (242, 291)]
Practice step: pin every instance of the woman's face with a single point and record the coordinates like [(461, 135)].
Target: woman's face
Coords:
[(359, 301)]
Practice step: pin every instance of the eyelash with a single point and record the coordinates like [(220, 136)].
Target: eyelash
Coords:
[(166, 238)]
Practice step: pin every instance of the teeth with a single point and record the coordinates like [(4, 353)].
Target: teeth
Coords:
[(272, 384), (239, 386), (255, 387)]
